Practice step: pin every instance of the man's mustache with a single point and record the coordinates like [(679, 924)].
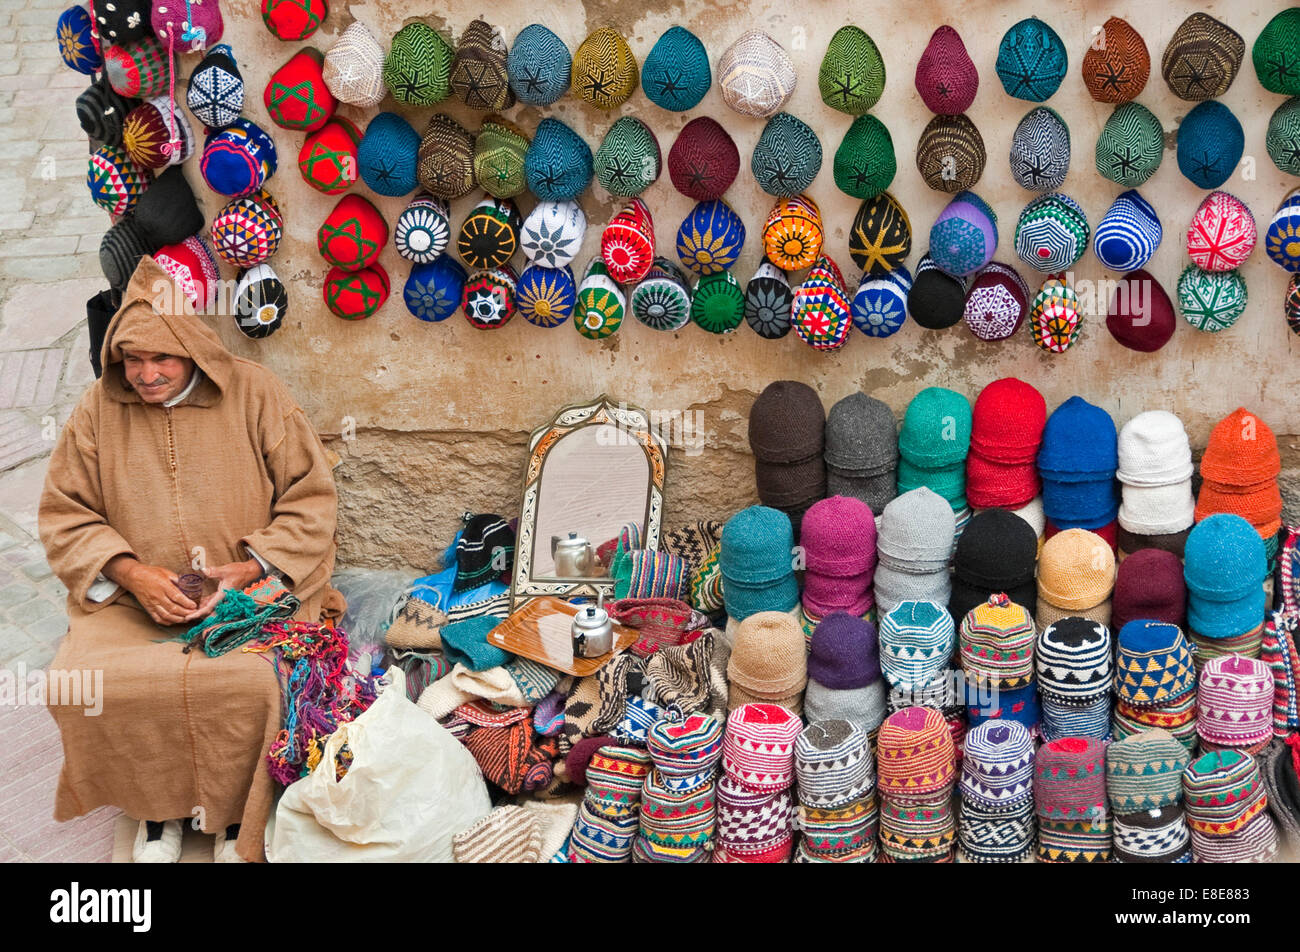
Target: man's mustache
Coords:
[(139, 382)]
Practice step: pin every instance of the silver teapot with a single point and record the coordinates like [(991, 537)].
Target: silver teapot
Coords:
[(574, 557), (592, 631)]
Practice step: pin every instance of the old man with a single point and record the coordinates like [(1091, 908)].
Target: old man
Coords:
[(180, 458)]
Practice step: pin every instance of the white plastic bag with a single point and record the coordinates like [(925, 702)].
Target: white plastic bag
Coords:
[(411, 787)]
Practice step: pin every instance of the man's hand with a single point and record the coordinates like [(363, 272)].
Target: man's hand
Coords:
[(231, 575), (154, 587)]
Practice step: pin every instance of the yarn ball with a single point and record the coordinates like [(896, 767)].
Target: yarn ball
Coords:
[(604, 70), (488, 301), (445, 160), (499, 153), (822, 312), (1117, 65), (75, 33), (946, 76), (787, 157), (1128, 234), (552, 233), (661, 300), (710, 238), (1054, 317), (434, 289), (965, 235), (116, 181), (291, 20), (1131, 145), (1282, 236), (238, 159), (489, 236), (387, 155), (354, 70), (950, 154), (423, 229), (137, 70), (478, 76), (756, 75), (215, 93), (704, 160), (881, 236), (864, 163), (147, 134), (328, 158), (247, 231), (601, 303), (768, 301), (879, 305), (559, 165), (627, 243), (261, 302), (852, 74), (538, 66), (676, 74), (1282, 140), (1052, 233), (1141, 316), (1031, 60), (356, 295), (1276, 53), (628, 160), (996, 303), (1040, 150), (793, 233), (352, 234), (1202, 58), (1210, 144), (1211, 300), (1222, 233), (718, 302), (545, 296), (417, 70), (937, 300)]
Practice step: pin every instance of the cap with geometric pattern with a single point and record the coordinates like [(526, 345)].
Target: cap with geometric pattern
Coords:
[(1202, 58), (489, 235), (1031, 60), (950, 153), (852, 74), (352, 234), (545, 296), (676, 74), (1211, 300), (354, 67), (1117, 64), (434, 289), (248, 230), (1131, 145), (488, 300), (1052, 233), (1145, 771), (445, 160), (552, 233), (822, 311), (328, 158), (710, 238), (756, 75), (628, 160), (865, 164), (793, 233), (499, 153), (559, 165), (1153, 664), (662, 300), (539, 66), (296, 95), (356, 295), (1040, 150), (787, 156), (605, 72), (417, 69), (601, 303), (478, 75), (703, 160), (880, 238), (1073, 660), (216, 90)]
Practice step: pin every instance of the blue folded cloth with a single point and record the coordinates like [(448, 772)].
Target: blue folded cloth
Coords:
[(465, 642)]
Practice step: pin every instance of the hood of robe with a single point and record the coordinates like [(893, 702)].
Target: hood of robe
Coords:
[(157, 317)]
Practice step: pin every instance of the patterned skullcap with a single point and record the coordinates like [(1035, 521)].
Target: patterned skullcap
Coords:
[(553, 232), (77, 43), (478, 72), (768, 301), (546, 296), (1117, 64), (148, 129), (488, 301), (881, 237), (1222, 233), (328, 158), (793, 233), (601, 303), (1052, 233), (216, 91), (101, 111), (1202, 58), (352, 234), (120, 251), (787, 157), (710, 238), (1054, 317), (627, 243), (704, 160), (261, 302), (1282, 236), (880, 303), (676, 73), (946, 76), (248, 230), (116, 181), (1282, 139), (539, 66), (356, 295), (1210, 144), (1276, 53), (387, 155), (193, 267), (499, 153), (852, 75), (1040, 150), (864, 163), (294, 19), (996, 303), (1153, 665), (559, 165), (122, 21), (445, 160), (950, 154), (661, 300), (1073, 660), (822, 311), (965, 235), (604, 70), (1128, 234), (915, 753), (238, 159), (1292, 304), (434, 289), (1211, 300), (354, 68), (628, 160), (296, 96), (137, 70), (756, 75), (1130, 146), (997, 766), (1031, 60), (490, 234), (1145, 771), (718, 302), (417, 70)]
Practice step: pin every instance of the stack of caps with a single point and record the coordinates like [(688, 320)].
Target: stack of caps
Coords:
[(677, 801), (1155, 473), (1077, 463), (1239, 474), (756, 564), (844, 680), (1227, 809), (1076, 576), (836, 780), (755, 806), (1006, 431), (1149, 585), (916, 765), (996, 642), (1155, 682), (997, 794), (608, 817), (1144, 781), (995, 553), (914, 544), (1075, 672), (787, 427), (1234, 704), (932, 446), (1225, 567), (768, 662), (861, 450), (1279, 652), (1074, 824), (917, 640), (839, 549)]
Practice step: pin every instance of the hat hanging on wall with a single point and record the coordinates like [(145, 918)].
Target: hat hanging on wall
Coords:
[(628, 160), (101, 111), (1210, 144), (116, 181), (865, 163), (157, 134), (445, 160), (328, 158), (997, 302), (1031, 60), (1117, 64), (965, 235), (193, 267), (261, 302), (247, 231), (756, 75), (879, 306), (1291, 307), (1131, 145), (718, 303), (138, 70), (120, 251), (1276, 53), (1128, 234), (478, 75), (822, 310), (545, 296), (75, 33), (1222, 233), (710, 238), (489, 236), (703, 160), (121, 21), (238, 159), (936, 300), (1202, 58), (627, 243), (417, 69), (601, 303), (676, 74), (950, 154), (880, 238), (352, 234), (167, 212), (488, 301), (559, 165), (1054, 317), (538, 66), (356, 295), (1282, 236), (946, 76), (216, 91), (661, 300), (552, 233), (387, 155), (852, 73), (1040, 150), (354, 68), (787, 156), (793, 233), (1052, 233), (1211, 300), (294, 19), (423, 229), (604, 70), (1283, 137), (499, 153), (188, 26), (768, 301), (1141, 316), (435, 289)]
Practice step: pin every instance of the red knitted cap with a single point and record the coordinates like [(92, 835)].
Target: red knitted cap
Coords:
[(1007, 421), (1149, 584)]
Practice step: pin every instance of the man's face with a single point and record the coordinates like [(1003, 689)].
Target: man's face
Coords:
[(157, 378)]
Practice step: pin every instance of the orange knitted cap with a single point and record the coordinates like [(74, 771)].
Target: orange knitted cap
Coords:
[(1261, 508), (1242, 450)]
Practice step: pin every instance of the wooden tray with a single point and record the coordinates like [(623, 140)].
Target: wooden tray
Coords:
[(541, 631)]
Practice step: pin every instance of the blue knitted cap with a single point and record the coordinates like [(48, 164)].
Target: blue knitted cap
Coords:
[(539, 66), (559, 164), (1223, 619), (676, 74), (741, 601), (1128, 234), (1031, 60), (546, 296), (465, 642), (433, 291), (387, 153), (238, 159), (880, 305), (1079, 442), (1224, 558), (1081, 505), (1019, 705), (1210, 144), (756, 544)]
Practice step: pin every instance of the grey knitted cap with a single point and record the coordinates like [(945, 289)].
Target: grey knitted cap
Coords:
[(875, 491), (861, 436), (893, 587), (864, 708), (917, 529)]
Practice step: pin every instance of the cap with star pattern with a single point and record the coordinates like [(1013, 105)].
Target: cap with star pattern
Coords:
[(880, 238), (478, 75), (559, 165), (851, 78), (354, 67), (445, 160), (1031, 60), (676, 75), (328, 158), (768, 301), (434, 289), (489, 298), (704, 160), (261, 302), (1117, 64), (787, 156), (352, 234), (417, 70), (489, 235), (290, 20), (1282, 140), (423, 229), (356, 295), (605, 73), (1210, 144), (601, 303), (756, 75), (628, 160), (545, 296), (387, 153), (539, 66), (499, 153), (552, 233), (216, 91), (662, 300), (865, 163), (1202, 58)]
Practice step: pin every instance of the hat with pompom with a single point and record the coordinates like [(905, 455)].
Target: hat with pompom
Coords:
[(865, 164), (238, 159), (294, 19), (1052, 233), (356, 295), (793, 233), (328, 158), (676, 74), (787, 156), (628, 160), (216, 91), (248, 230), (552, 233), (435, 289), (478, 75), (1141, 316), (1202, 58), (880, 304), (1040, 150), (937, 299), (1211, 300), (417, 70), (604, 70), (718, 302), (769, 301), (1054, 317), (1210, 144), (601, 303), (703, 160), (627, 243), (138, 70), (710, 238), (946, 76), (950, 154), (387, 155), (499, 154), (1031, 60), (445, 160), (546, 297), (538, 66), (147, 134), (1131, 145), (997, 302), (881, 236), (489, 236), (965, 235), (102, 111), (1222, 233), (1117, 64), (352, 234), (353, 70), (489, 297), (116, 181), (852, 74), (559, 165), (1128, 234), (756, 75), (822, 311), (261, 302), (78, 48), (423, 229), (1282, 140), (193, 267)]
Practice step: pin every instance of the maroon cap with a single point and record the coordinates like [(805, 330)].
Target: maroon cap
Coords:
[(1149, 585), (704, 160), (946, 76), (1141, 315)]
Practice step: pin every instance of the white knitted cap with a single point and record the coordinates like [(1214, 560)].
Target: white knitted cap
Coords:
[(1154, 450), (1157, 510)]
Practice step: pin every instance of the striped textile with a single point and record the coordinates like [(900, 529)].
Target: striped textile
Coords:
[(508, 834), (1278, 651), (1222, 791), (1234, 702), (846, 830), (1057, 720), (915, 753), (676, 826), (1178, 717), (997, 643), (1074, 841), (638, 717), (601, 836), (833, 764), (997, 766), (916, 644), (1145, 772), (921, 830), (758, 746), (987, 835), (753, 824), (1256, 842), (685, 747), (1070, 779), (1153, 836)]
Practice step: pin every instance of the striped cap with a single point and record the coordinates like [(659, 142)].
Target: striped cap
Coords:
[(686, 747), (1222, 791), (833, 764), (997, 766), (915, 753), (1234, 702), (1070, 779), (758, 746), (916, 643), (997, 642), (1145, 771)]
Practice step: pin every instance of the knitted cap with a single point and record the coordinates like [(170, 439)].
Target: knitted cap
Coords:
[(787, 156), (1131, 145), (122, 21), (950, 154), (860, 436), (434, 289), (756, 75), (946, 76), (1153, 450), (148, 130), (1040, 150), (546, 296), (881, 237), (499, 153), (137, 70), (387, 155), (1283, 129), (1141, 316), (915, 754), (768, 301), (964, 236), (297, 96), (1072, 658), (1052, 233), (1055, 318), (422, 229), (997, 764), (1079, 443), (1226, 805), (685, 747), (1145, 771), (758, 745), (793, 233), (1007, 421), (248, 230), (838, 537), (756, 544), (1117, 64), (261, 302), (864, 162), (1031, 60), (937, 299), (78, 45), (1276, 52), (101, 111), (216, 90), (1234, 702), (1158, 510), (852, 74), (352, 234), (1224, 559), (628, 160), (710, 238), (538, 66), (767, 656), (193, 267), (833, 764), (915, 532), (917, 640), (478, 75), (997, 548), (1070, 779), (356, 295), (489, 235), (1211, 301), (1129, 233), (1076, 570), (489, 297), (718, 302), (1242, 451), (786, 423), (417, 70), (936, 428), (601, 303), (167, 212), (559, 164), (662, 300), (1202, 58), (843, 652), (676, 74), (880, 303), (328, 158), (1153, 665), (1149, 585), (445, 161), (294, 19), (354, 67), (1210, 144), (552, 233), (604, 69), (197, 25), (1282, 235), (1222, 233), (116, 181), (996, 303), (997, 643), (627, 243), (821, 312), (703, 160)]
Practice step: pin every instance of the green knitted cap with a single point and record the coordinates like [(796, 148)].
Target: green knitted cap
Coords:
[(1283, 137), (628, 160), (1276, 53), (499, 153), (1131, 145), (936, 428), (788, 156), (417, 69), (852, 74), (864, 163), (1211, 300), (718, 302)]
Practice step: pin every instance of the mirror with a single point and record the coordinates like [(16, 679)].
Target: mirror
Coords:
[(594, 473)]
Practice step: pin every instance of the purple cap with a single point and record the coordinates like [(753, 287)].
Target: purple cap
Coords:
[(844, 653)]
